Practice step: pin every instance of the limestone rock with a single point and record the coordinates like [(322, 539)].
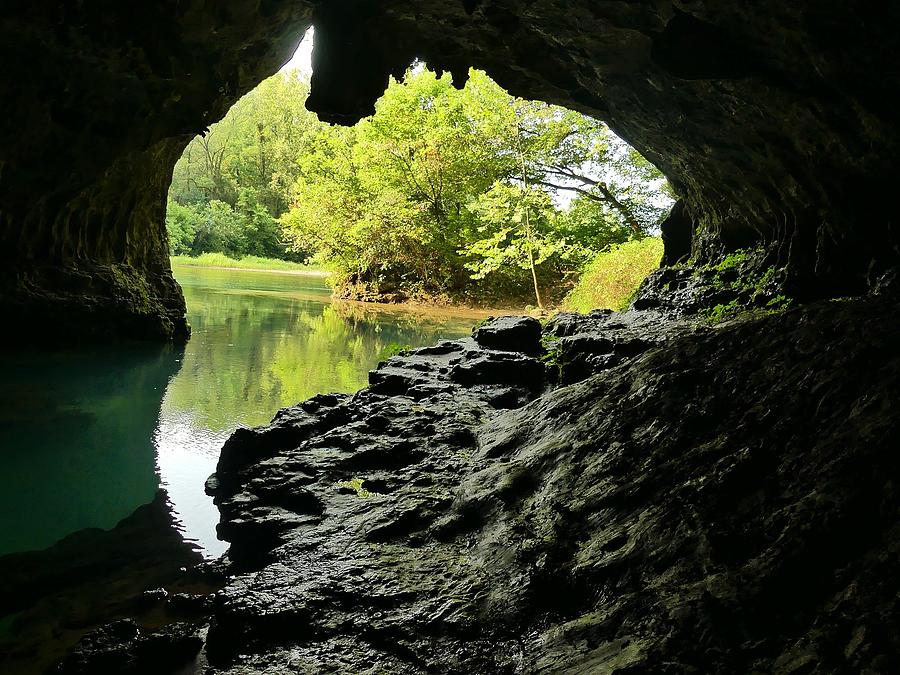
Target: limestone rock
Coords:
[(123, 648), (510, 333), (674, 509), (717, 500)]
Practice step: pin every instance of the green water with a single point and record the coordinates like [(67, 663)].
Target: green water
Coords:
[(87, 436), (76, 439)]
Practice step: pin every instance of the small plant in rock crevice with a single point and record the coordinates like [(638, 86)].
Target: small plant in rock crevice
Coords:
[(740, 285), (723, 312), (733, 260), (551, 356), (356, 485)]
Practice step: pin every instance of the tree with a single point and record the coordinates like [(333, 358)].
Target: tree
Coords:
[(567, 152), (219, 229), (387, 204), (517, 229), (563, 152), (181, 223), (467, 193), (248, 161)]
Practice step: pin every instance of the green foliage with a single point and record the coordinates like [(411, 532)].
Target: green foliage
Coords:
[(733, 260), (182, 223), (756, 292), (220, 230), (231, 185), (356, 485), (456, 192), (386, 203), (551, 356), (611, 279), (752, 289), (470, 194), (392, 349), (779, 302), (247, 262), (587, 227), (721, 312), (211, 226), (730, 310), (516, 228)]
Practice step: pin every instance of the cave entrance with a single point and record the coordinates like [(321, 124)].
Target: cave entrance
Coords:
[(309, 252), (453, 190)]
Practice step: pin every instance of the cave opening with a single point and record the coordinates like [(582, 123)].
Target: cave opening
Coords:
[(304, 249), (703, 483), (150, 421), (451, 190)]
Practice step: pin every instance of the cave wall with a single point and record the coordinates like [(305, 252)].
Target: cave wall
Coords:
[(773, 121), (100, 99)]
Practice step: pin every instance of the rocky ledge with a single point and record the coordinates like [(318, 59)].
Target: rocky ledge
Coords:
[(615, 493)]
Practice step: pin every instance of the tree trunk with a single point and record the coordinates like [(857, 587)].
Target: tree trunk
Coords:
[(625, 212), (537, 290)]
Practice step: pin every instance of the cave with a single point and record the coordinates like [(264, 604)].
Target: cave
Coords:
[(679, 499)]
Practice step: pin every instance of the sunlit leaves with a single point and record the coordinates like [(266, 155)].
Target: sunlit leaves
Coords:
[(441, 191)]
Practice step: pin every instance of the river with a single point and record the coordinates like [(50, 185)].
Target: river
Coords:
[(88, 436)]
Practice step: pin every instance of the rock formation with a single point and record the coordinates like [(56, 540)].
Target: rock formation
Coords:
[(652, 495), (50, 598), (773, 121), (634, 493)]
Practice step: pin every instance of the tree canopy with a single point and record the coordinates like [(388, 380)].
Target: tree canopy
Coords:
[(231, 184), (463, 193)]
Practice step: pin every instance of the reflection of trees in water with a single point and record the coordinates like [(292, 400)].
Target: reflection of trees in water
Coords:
[(255, 353)]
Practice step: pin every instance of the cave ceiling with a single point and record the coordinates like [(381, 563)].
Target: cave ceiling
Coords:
[(774, 121)]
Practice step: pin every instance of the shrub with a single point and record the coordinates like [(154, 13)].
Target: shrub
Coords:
[(610, 280), (182, 223)]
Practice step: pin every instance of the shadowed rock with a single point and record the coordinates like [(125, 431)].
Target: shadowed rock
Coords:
[(718, 500), (510, 333)]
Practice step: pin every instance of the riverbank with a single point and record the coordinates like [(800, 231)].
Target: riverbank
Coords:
[(436, 308), (430, 304), (249, 263)]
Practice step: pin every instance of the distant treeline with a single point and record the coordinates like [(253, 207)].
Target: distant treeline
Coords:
[(468, 194)]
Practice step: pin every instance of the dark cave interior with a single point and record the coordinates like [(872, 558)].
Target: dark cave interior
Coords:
[(672, 498)]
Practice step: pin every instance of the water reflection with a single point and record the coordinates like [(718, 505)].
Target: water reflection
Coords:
[(88, 436), (50, 598), (261, 342)]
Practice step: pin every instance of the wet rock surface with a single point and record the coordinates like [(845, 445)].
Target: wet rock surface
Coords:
[(143, 569), (717, 500), (581, 345), (510, 333), (123, 648)]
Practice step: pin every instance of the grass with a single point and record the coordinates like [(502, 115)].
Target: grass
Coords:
[(611, 279), (248, 262), (393, 349)]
